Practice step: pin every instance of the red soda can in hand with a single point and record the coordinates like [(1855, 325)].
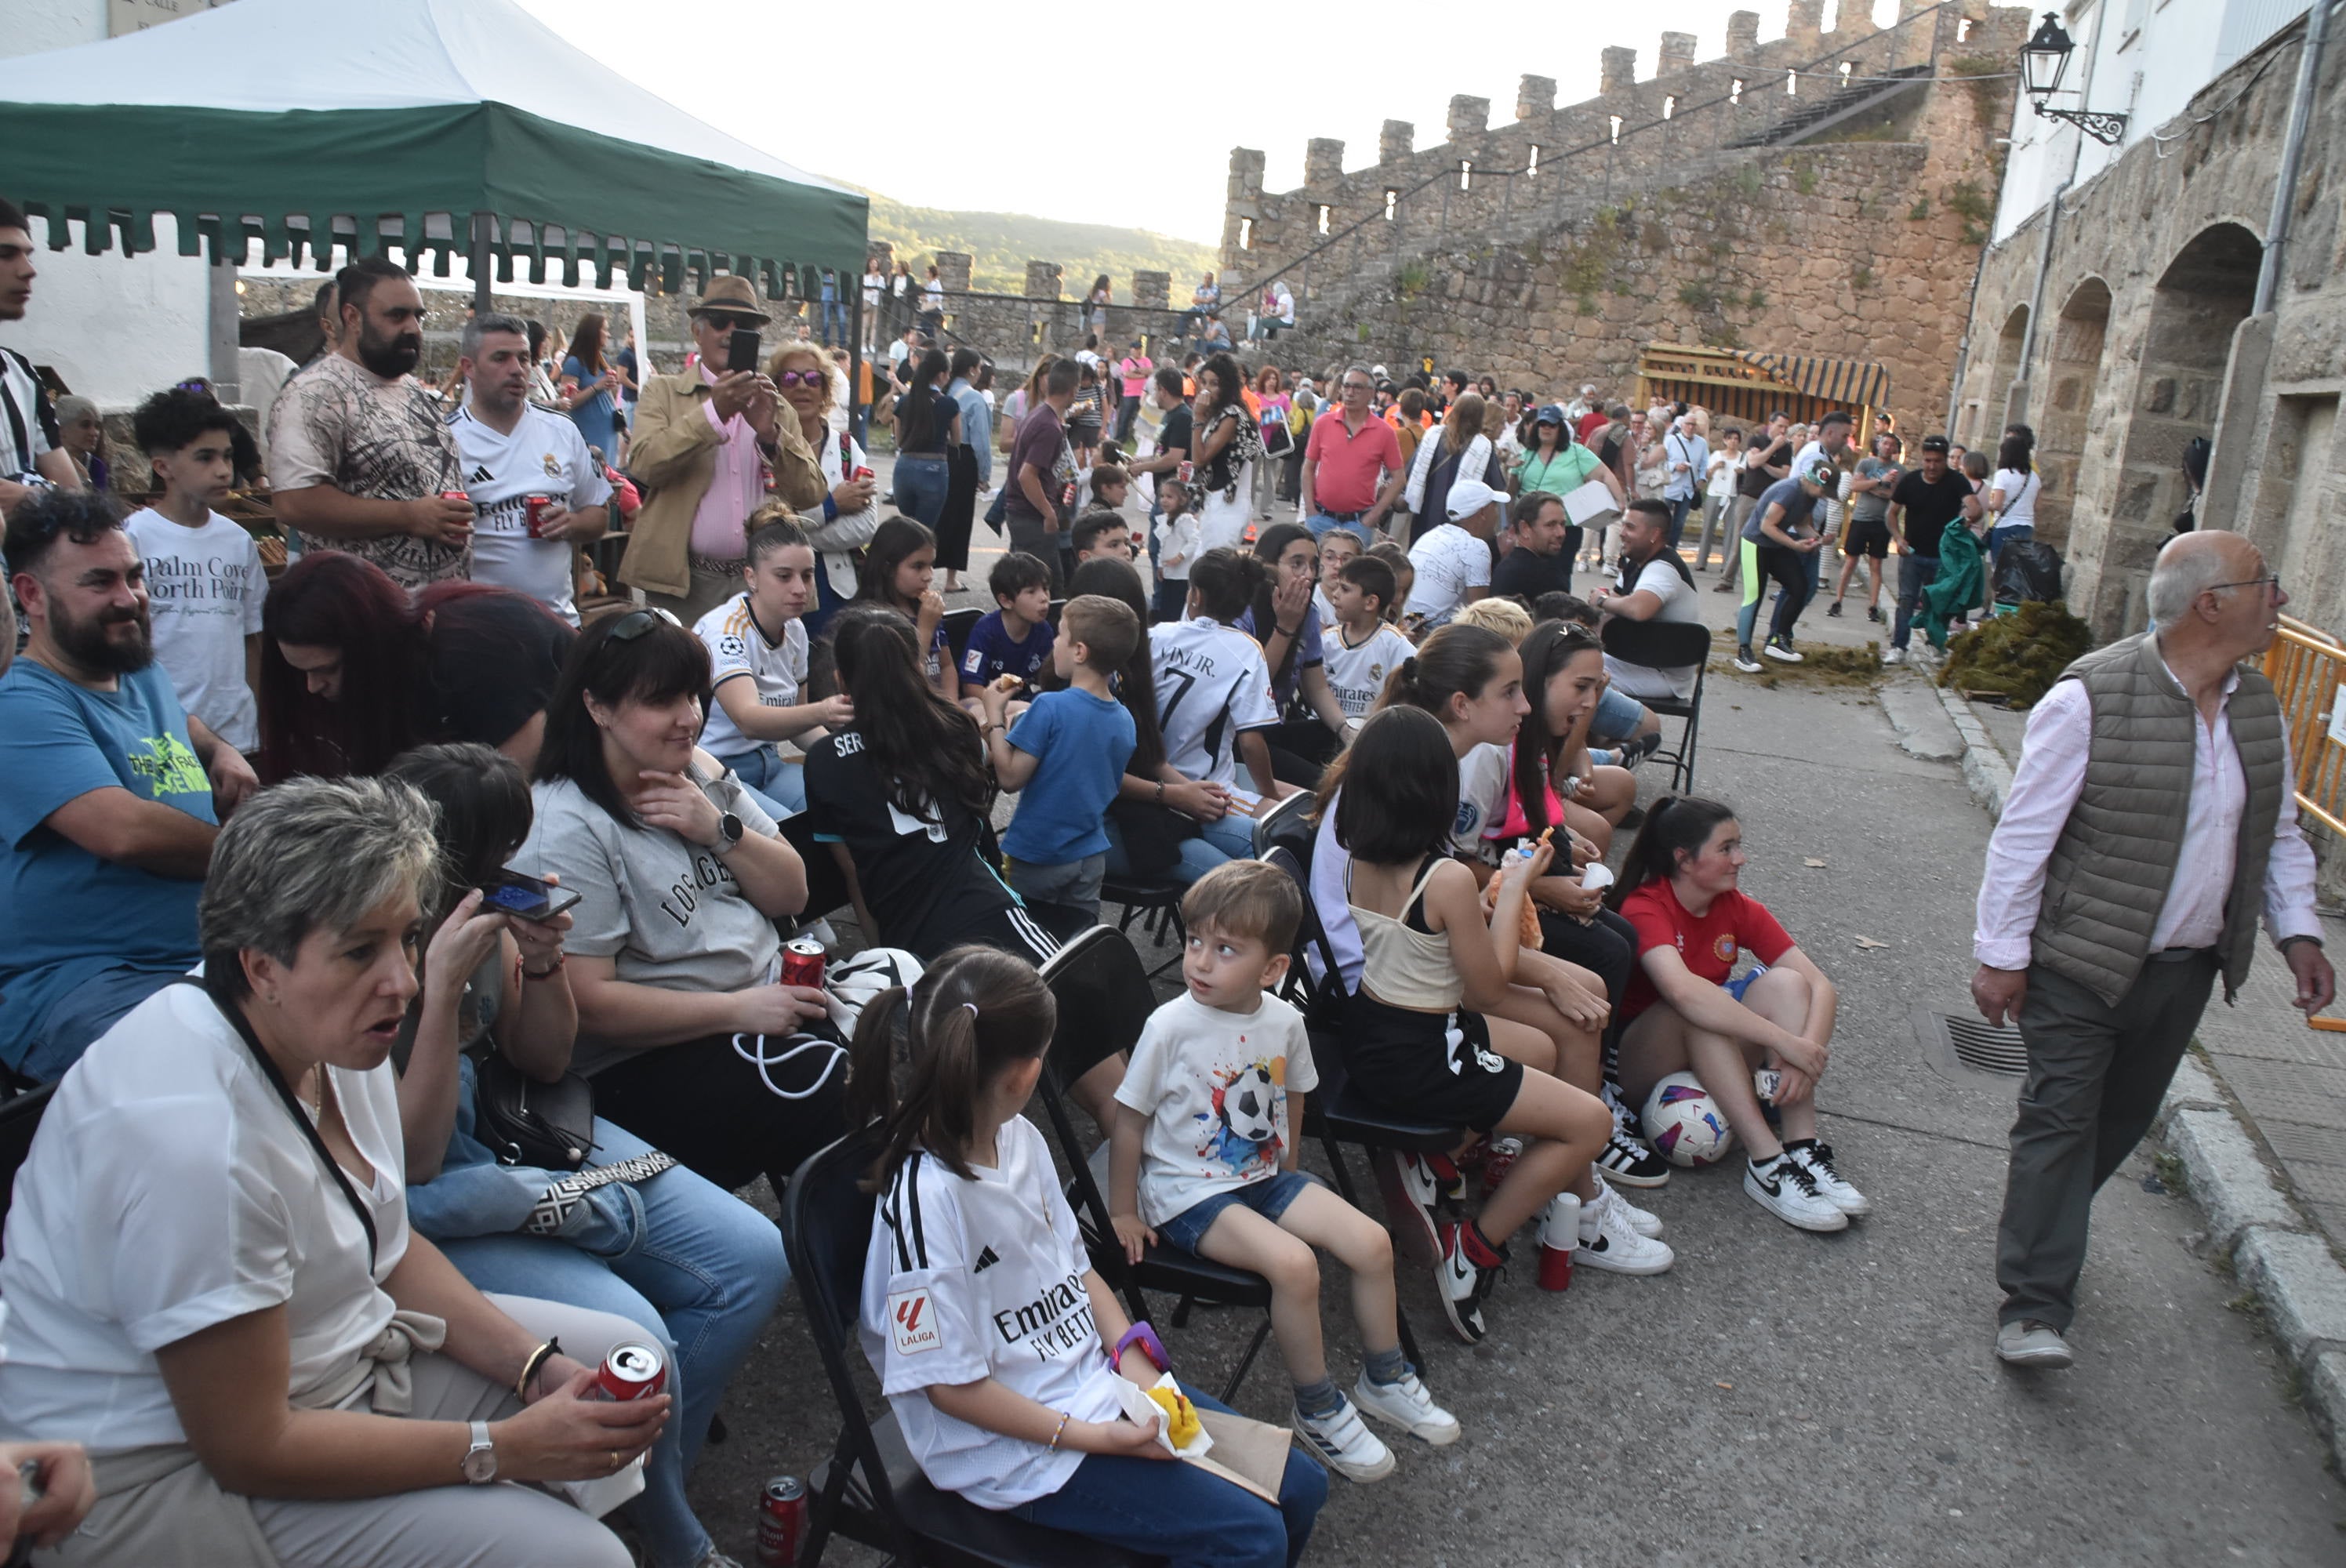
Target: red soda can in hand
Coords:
[(630, 1373), (537, 510), (803, 962), (454, 495), (1186, 472), (781, 1521), (1067, 495), (861, 473)]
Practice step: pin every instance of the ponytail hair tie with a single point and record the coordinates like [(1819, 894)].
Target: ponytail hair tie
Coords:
[(973, 1009)]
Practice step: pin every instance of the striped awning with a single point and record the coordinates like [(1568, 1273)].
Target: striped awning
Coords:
[(1744, 387)]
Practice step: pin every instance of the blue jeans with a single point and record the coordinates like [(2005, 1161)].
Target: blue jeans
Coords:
[(1320, 523), (1678, 507), (921, 485), (1617, 716), (834, 320), (1231, 839), (1269, 1198), (708, 1275), (78, 1017), (1193, 1518), (774, 782), (1914, 574)]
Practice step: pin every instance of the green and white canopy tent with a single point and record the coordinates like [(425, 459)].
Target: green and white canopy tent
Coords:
[(435, 126)]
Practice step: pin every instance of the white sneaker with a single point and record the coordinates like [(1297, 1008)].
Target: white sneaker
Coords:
[(1608, 1240), (1894, 656), (1343, 1442), (1784, 1189), (1407, 1405), (1644, 1224), (1783, 651), (1817, 1159)]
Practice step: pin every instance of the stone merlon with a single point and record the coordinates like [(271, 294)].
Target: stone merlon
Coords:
[(1535, 97), (1469, 116), (1616, 68)]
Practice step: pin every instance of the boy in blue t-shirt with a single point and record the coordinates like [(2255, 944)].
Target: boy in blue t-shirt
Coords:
[(1069, 753), (1016, 639)]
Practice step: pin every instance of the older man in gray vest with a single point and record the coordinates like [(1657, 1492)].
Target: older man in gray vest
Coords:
[(2149, 823)]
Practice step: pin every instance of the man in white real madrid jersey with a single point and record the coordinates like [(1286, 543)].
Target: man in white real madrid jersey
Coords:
[(513, 452)]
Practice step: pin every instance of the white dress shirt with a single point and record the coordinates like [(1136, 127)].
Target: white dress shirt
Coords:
[(2045, 786)]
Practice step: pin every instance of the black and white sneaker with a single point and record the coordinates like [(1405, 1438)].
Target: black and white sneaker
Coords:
[(1873, 614), (1630, 1163), (1784, 1188), (1744, 661), (1817, 1159), (1781, 648), (1409, 1205), (1832, 611)]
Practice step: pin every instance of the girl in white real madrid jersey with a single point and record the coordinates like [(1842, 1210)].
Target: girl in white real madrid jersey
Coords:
[(981, 1311)]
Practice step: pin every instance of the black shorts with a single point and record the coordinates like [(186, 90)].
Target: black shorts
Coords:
[(1867, 536), (1429, 1065)]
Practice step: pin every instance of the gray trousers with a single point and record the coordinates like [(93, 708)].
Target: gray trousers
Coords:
[(2096, 1074)]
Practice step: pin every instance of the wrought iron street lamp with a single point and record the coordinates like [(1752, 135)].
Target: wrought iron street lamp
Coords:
[(2043, 61)]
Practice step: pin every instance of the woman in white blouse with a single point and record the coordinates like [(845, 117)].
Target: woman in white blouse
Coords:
[(209, 1273), (846, 520)]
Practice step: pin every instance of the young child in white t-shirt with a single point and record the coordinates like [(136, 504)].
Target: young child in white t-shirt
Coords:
[(1365, 649), (1176, 532), (757, 644), (1204, 1158), (205, 581), (996, 1343)]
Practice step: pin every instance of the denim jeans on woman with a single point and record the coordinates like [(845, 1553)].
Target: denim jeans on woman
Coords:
[(921, 479), (1229, 839), (697, 1268)]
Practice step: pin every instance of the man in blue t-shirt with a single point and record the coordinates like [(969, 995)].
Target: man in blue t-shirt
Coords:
[(108, 792)]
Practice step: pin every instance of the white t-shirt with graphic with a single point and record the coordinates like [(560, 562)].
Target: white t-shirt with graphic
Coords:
[(983, 1277), (1449, 563), (1214, 1087), (204, 589), (737, 646), (1212, 686), (1358, 675), (1482, 803), (545, 455)]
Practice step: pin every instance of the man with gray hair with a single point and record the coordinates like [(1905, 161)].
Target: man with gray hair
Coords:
[(534, 486), (2151, 818)]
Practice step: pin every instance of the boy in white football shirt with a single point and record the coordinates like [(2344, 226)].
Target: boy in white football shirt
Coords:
[(1203, 1158), (204, 576), (1366, 650), (536, 490), (757, 644)]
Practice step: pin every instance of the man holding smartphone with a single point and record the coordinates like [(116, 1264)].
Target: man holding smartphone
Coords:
[(704, 441)]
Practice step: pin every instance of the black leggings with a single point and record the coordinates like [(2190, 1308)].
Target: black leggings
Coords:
[(1300, 750), (706, 1104), (1789, 570)]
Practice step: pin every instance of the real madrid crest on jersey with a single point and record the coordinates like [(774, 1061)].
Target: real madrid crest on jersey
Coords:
[(553, 466), (1376, 672)]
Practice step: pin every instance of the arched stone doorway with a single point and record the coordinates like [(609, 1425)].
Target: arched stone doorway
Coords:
[(1986, 421), (2064, 432), (2186, 344)]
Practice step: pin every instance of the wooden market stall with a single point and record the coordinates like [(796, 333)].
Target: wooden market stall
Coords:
[(1744, 386)]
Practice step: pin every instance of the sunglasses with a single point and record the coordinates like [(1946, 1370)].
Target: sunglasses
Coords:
[(725, 321), (801, 378), (636, 622)]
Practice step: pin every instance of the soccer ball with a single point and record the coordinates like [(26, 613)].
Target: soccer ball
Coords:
[(1249, 1105), (1683, 1124)]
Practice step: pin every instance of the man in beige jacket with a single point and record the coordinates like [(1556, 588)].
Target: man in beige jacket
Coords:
[(710, 447)]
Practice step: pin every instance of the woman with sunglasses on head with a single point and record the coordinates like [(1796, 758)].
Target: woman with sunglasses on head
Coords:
[(672, 953), (842, 522)]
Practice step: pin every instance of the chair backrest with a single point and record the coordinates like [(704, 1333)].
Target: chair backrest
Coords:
[(958, 625), (20, 1117), (1657, 644), (1103, 1000), (1318, 998), (826, 883), (1284, 821), (826, 1234)]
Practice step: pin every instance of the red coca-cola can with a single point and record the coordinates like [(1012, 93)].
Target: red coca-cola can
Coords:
[(781, 1521), (1184, 471), (536, 511), (454, 495), (859, 474), (802, 961), (1067, 495), (630, 1373)]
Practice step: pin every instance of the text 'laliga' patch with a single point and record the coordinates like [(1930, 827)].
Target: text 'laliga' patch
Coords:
[(914, 1321)]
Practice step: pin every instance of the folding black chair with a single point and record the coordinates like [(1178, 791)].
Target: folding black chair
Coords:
[(1156, 902), (1105, 1001), (20, 1116), (870, 1490), (958, 625), (1668, 645), (1284, 820)]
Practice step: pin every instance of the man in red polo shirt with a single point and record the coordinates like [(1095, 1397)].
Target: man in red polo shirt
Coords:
[(1351, 453)]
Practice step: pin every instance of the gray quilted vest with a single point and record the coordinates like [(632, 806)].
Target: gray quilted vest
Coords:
[(2111, 868)]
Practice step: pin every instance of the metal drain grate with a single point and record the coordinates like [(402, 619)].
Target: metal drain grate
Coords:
[(1965, 1047)]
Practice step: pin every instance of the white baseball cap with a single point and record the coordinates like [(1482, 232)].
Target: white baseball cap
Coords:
[(1468, 496)]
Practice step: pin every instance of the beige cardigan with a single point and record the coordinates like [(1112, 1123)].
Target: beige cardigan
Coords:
[(672, 454)]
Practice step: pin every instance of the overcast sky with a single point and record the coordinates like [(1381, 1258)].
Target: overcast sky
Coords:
[(824, 88)]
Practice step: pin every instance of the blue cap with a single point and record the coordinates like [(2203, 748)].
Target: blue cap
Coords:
[(1549, 413)]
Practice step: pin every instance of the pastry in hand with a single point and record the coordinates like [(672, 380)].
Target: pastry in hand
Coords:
[(1182, 1423)]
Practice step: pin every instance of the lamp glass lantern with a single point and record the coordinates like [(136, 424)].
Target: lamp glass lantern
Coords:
[(2044, 60)]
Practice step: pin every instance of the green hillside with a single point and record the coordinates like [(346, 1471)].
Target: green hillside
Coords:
[(1000, 244)]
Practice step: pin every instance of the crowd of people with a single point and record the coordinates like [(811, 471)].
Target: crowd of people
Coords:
[(309, 875)]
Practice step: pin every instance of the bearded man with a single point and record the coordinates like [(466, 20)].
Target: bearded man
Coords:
[(360, 455), (111, 793)]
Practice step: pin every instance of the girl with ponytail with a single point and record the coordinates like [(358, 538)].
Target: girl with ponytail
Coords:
[(982, 1313), (1679, 889), (1213, 687)]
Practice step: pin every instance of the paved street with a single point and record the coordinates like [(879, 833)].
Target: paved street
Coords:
[(1782, 1397)]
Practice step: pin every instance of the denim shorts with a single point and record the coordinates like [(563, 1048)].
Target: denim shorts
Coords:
[(1617, 716), (1268, 1197)]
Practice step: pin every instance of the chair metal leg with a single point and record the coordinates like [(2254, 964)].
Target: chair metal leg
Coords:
[(1342, 1170), (1182, 1311), (1246, 1362)]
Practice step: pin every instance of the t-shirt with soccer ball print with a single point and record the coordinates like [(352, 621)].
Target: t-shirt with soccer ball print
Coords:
[(1214, 1087)]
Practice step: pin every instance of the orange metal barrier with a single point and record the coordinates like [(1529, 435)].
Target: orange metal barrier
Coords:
[(2306, 666)]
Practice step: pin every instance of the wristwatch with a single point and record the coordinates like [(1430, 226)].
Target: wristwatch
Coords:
[(480, 1461), (728, 831)]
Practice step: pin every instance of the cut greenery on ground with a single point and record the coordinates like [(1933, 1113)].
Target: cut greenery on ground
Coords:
[(2017, 657)]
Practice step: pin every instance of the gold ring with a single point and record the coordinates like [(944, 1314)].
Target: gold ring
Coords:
[(615, 1458)]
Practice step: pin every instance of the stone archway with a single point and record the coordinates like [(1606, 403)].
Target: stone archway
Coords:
[(2186, 344), (1984, 417), (2064, 430)]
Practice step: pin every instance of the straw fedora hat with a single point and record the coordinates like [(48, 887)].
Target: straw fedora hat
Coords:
[(732, 294)]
